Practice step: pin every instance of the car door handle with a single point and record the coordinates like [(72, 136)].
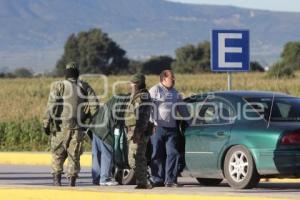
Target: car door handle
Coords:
[(221, 134)]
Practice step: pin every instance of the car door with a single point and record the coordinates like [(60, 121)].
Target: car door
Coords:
[(207, 136)]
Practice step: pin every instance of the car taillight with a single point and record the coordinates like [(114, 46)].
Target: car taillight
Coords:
[(291, 138)]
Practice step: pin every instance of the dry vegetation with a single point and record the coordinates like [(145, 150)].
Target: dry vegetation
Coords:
[(23, 100)]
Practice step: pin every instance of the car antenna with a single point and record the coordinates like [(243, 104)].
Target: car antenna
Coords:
[(271, 110)]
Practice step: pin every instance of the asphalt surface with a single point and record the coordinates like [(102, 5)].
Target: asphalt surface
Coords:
[(39, 177)]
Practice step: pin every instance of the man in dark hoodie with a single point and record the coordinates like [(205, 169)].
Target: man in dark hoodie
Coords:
[(108, 122)]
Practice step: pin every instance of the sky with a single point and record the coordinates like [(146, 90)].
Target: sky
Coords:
[(276, 5)]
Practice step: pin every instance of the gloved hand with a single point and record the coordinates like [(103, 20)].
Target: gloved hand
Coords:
[(47, 130), (136, 138), (89, 133)]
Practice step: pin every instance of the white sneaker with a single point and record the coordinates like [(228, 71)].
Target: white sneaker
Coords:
[(109, 183)]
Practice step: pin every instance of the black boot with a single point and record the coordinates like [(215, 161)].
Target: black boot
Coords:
[(72, 180), (57, 179), (144, 186)]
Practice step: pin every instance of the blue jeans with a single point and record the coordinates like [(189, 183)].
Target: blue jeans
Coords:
[(165, 155), (102, 161)]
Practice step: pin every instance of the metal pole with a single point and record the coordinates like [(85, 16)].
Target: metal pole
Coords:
[(229, 80)]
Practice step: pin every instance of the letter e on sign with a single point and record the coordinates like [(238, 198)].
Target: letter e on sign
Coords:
[(230, 50)]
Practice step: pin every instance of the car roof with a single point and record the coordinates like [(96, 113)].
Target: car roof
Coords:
[(252, 93), (245, 93)]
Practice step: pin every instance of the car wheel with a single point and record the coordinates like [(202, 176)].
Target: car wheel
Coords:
[(239, 168), (125, 177), (209, 181)]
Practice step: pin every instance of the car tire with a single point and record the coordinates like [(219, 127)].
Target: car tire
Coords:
[(125, 177), (239, 168), (209, 181)]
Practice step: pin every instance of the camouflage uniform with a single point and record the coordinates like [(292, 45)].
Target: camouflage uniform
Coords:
[(71, 103), (137, 122)]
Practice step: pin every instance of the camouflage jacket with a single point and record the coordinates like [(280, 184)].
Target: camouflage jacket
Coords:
[(82, 97), (138, 112)]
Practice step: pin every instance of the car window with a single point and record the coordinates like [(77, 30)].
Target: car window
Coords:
[(284, 108), (209, 114), (194, 106), (214, 112)]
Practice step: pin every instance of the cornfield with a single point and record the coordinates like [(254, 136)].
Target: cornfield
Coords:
[(22, 101)]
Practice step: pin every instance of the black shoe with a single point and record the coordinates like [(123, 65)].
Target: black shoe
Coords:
[(96, 183), (158, 184), (72, 181), (173, 185), (57, 179), (147, 186)]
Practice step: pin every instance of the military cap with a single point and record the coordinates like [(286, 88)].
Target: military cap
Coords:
[(138, 78), (72, 65)]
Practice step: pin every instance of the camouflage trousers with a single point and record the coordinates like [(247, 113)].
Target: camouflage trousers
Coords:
[(67, 144), (137, 158)]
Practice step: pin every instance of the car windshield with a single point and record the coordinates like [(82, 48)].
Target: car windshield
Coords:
[(284, 108)]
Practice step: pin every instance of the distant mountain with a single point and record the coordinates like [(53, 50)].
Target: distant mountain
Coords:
[(33, 32)]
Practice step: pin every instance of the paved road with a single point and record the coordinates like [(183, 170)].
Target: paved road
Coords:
[(39, 177)]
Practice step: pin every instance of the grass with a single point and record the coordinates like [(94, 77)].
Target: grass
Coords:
[(23, 101)]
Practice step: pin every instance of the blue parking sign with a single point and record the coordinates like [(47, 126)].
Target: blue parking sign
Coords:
[(230, 50)]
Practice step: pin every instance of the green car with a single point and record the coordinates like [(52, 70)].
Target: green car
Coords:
[(242, 136)]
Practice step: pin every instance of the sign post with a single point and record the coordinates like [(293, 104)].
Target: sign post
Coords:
[(230, 52), (229, 80)]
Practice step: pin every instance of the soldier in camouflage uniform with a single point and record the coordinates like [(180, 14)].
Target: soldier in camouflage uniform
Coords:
[(71, 104), (137, 123)]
